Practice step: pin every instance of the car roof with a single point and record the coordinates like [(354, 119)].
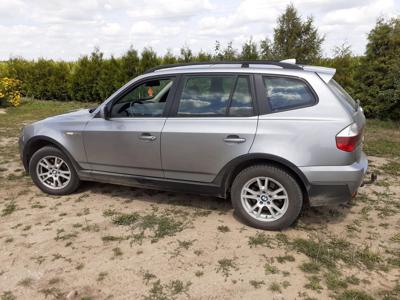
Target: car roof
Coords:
[(270, 67)]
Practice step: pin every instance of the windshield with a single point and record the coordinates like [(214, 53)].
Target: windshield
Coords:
[(341, 93)]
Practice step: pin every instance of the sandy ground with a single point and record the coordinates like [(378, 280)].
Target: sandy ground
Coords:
[(195, 248)]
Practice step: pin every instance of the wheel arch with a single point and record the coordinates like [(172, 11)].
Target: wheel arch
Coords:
[(229, 172), (38, 142)]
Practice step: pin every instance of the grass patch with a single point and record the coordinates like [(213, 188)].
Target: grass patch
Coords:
[(329, 251), (392, 168), (257, 283), (275, 287), (260, 239), (270, 269), (382, 138), (101, 276), (171, 290), (225, 266), (310, 267), (7, 295), (117, 251), (112, 238), (160, 225), (223, 228), (354, 295), (334, 282), (26, 282), (285, 258), (313, 283), (9, 209), (125, 219)]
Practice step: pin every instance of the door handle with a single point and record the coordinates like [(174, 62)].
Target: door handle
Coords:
[(147, 137), (234, 139)]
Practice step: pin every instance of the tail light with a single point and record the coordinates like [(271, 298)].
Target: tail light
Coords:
[(349, 138)]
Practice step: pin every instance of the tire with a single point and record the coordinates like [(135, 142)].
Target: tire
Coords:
[(51, 157), (288, 201)]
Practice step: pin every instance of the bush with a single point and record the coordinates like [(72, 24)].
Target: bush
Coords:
[(9, 91)]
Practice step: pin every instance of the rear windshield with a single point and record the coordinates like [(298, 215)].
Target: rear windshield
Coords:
[(341, 93)]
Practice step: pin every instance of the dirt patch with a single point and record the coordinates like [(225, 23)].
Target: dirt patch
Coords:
[(117, 242), (3, 111)]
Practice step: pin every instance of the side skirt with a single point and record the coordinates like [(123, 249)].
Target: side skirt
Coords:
[(200, 188)]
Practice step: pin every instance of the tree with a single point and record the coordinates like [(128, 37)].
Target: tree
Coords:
[(224, 54), (129, 65), (148, 60), (294, 38), (345, 64), (84, 79), (203, 56), (109, 79), (267, 49), (249, 50), (186, 55), (378, 80), (169, 58)]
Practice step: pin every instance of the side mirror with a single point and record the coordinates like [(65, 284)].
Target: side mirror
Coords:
[(104, 112)]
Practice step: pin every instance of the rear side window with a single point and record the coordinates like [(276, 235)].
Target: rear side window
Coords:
[(287, 93), (216, 95), (341, 93)]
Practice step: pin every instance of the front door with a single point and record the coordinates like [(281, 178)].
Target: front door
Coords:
[(213, 122), (129, 141)]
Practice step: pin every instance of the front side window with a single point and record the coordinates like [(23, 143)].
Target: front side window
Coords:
[(146, 100), (217, 95), (287, 93)]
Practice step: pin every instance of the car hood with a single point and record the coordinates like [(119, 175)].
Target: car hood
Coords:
[(78, 115)]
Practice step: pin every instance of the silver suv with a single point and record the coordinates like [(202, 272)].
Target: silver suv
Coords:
[(271, 136)]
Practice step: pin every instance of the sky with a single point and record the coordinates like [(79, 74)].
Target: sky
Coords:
[(68, 29)]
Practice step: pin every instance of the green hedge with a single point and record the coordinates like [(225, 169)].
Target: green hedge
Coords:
[(373, 78)]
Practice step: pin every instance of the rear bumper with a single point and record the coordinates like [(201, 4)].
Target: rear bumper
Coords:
[(334, 184)]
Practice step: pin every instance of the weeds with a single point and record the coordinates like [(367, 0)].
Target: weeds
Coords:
[(223, 228), (275, 287), (260, 239), (257, 283), (9, 209), (225, 266), (354, 295)]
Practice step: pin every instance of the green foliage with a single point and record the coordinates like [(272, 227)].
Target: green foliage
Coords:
[(85, 77), (294, 38), (378, 80), (249, 50), (346, 65), (373, 78)]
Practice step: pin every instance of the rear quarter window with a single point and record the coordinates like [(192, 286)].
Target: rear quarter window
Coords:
[(341, 93), (287, 93)]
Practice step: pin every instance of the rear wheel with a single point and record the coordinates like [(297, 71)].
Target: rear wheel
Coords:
[(267, 197), (52, 171)]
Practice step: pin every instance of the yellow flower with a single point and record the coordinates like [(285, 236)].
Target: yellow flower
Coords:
[(9, 91)]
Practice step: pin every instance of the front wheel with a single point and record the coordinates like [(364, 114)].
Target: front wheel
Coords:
[(52, 171), (267, 197)]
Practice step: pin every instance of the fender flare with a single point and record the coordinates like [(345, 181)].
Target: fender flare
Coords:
[(28, 145), (226, 175)]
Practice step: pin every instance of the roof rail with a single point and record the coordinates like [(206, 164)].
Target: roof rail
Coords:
[(243, 63)]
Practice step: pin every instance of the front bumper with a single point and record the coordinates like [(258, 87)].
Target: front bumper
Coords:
[(21, 145), (335, 184)]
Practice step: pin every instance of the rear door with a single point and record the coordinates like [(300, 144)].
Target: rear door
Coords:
[(213, 121)]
